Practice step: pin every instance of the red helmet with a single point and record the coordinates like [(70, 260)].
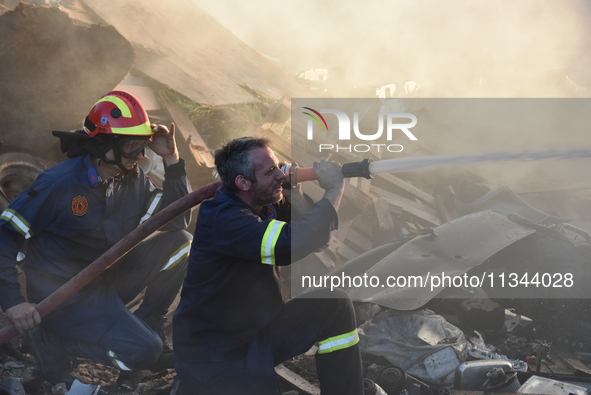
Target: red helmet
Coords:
[(118, 113)]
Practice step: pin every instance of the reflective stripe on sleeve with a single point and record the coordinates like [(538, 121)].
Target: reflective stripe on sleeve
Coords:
[(17, 222), (116, 362), (153, 206), (338, 342), (178, 256), (269, 241)]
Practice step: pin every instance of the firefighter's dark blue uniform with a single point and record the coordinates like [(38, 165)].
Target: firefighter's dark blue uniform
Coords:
[(232, 326), (70, 217)]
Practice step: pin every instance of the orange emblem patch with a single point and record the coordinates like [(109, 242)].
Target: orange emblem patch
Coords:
[(79, 206)]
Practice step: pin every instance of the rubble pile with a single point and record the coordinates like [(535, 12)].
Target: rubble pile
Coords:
[(58, 76)]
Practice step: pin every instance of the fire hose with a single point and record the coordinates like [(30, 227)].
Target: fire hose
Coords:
[(114, 253)]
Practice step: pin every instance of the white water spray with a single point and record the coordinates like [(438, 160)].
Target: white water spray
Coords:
[(403, 164)]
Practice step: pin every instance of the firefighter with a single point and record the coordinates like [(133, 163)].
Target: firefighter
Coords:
[(232, 326), (71, 215)]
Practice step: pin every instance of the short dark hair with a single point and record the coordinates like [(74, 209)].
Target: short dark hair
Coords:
[(233, 160)]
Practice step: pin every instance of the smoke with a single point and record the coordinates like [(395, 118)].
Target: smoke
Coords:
[(459, 48)]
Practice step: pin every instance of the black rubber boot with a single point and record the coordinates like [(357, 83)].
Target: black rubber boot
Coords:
[(165, 361), (51, 357), (159, 324)]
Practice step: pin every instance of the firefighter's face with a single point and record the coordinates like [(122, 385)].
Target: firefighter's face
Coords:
[(267, 189), (128, 163)]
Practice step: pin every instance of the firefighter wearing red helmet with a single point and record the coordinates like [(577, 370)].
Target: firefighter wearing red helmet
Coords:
[(71, 215), (121, 121)]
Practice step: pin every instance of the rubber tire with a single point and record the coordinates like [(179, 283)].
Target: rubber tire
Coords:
[(18, 170)]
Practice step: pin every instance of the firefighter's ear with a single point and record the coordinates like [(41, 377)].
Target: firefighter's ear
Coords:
[(242, 183)]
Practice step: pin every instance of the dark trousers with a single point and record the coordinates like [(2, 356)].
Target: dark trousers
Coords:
[(301, 323), (101, 328)]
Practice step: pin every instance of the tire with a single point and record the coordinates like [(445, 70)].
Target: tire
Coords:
[(18, 170)]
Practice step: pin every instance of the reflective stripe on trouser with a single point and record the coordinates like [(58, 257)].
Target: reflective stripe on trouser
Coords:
[(338, 342), (270, 240), (177, 256), (116, 362)]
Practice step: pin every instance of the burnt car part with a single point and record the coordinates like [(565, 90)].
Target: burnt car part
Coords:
[(453, 248), (472, 375)]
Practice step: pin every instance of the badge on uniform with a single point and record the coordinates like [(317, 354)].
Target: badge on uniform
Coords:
[(271, 212), (79, 205), (93, 176)]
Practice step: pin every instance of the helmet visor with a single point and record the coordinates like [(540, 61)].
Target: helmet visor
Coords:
[(132, 147)]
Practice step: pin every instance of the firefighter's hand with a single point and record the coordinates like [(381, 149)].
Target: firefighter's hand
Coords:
[(24, 316), (163, 144), (329, 174), (330, 177)]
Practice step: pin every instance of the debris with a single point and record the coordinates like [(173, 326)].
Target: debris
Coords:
[(505, 201), (168, 55), (421, 343), (441, 364), (481, 314), (542, 385), (192, 138), (79, 388), (61, 389), (458, 247), (471, 375), (371, 388), (296, 380), (12, 386), (44, 47), (576, 365), (516, 323), (499, 380), (11, 364), (199, 160)]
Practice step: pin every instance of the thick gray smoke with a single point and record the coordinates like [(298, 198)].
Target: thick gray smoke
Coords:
[(456, 48)]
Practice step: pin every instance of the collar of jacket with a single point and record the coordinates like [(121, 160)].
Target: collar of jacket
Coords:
[(94, 179), (264, 214)]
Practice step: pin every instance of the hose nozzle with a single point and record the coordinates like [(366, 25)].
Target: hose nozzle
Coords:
[(294, 174)]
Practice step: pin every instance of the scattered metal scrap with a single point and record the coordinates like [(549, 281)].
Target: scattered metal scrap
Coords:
[(296, 380)]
